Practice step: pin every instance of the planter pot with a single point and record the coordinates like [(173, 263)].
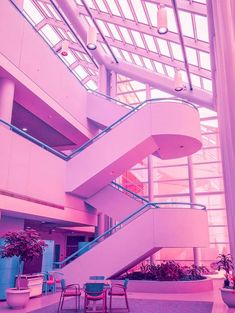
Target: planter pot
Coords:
[(228, 296), (17, 298)]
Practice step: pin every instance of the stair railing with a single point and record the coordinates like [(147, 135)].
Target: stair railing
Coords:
[(123, 223), (129, 192), (101, 134)]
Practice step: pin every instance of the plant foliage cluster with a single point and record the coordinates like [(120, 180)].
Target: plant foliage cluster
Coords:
[(168, 271), (25, 244)]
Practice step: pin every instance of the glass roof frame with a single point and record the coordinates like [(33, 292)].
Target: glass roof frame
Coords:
[(132, 36)]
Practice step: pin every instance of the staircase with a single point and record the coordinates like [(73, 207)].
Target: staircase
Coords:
[(168, 129), (135, 238)]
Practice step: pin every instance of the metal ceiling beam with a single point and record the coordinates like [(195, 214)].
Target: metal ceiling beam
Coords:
[(162, 59), (187, 6), (177, 18), (146, 29), (74, 33), (160, 82), (99, 30), (71, 12)]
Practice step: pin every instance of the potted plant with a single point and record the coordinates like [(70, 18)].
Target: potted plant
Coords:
[(227, 292), (26, 245)]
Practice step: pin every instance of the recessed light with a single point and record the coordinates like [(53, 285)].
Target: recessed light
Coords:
[(25, 129)]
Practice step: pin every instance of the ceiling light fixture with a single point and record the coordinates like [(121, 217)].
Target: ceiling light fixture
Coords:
[(25, 129), (91, 38), (162, 26), (178, 81), (64, 48)]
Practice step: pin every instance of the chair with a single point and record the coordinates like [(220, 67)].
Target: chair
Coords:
[(96, 278), (119, 290), (57, 277), (69, 291), (95, 292), (49, 283)]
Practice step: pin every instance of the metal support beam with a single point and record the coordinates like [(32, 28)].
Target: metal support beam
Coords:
[(99, 30), (177, 18)]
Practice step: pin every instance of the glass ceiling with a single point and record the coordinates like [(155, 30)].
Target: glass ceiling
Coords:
[(130, 30)]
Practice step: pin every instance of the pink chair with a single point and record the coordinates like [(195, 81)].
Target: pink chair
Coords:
[(119, 290), (69, 291)]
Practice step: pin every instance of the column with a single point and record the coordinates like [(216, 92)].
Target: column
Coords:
[(224, 48), (196, 251), (103, 80), (7, 88), (113, 84), (100, 224)]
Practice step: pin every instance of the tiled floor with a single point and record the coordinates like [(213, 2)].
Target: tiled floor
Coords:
[(211, 296)]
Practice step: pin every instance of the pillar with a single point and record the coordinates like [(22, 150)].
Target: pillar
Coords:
[(7, 89), (103, 80), (113, 84), (100, 224), (223, 46), (196, 251)]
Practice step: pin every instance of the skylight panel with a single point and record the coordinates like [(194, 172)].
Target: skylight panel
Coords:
[(207, 84), (201, 28), (45, 9), (90, 4), (163, 47), (106, 50), (103, 28), (141, 95), (148, 64), (101, 6), (137, 85), (176, 50), (80, 72), (32, 12), (71, 36), (137, 59), (70, 58), (186, 24), (91, 85), (116, 52), (171, 20), (159, 67), (139, 11), (50, 35), (205, 60), (56, 15), (150, 43), (152, 12), (113, 7), (155, 94), (196, 81), (204, 112), (126, 56), (126, 35), (184, 76), (114, 31), (62, 32), (126, 9), (191, 56), (170, 70), (138, 39)]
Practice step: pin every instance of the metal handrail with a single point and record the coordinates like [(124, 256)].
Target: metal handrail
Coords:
[(120, 120), (123, 223), (110, 98), (135, 195), (101, 134), (34, 140)]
